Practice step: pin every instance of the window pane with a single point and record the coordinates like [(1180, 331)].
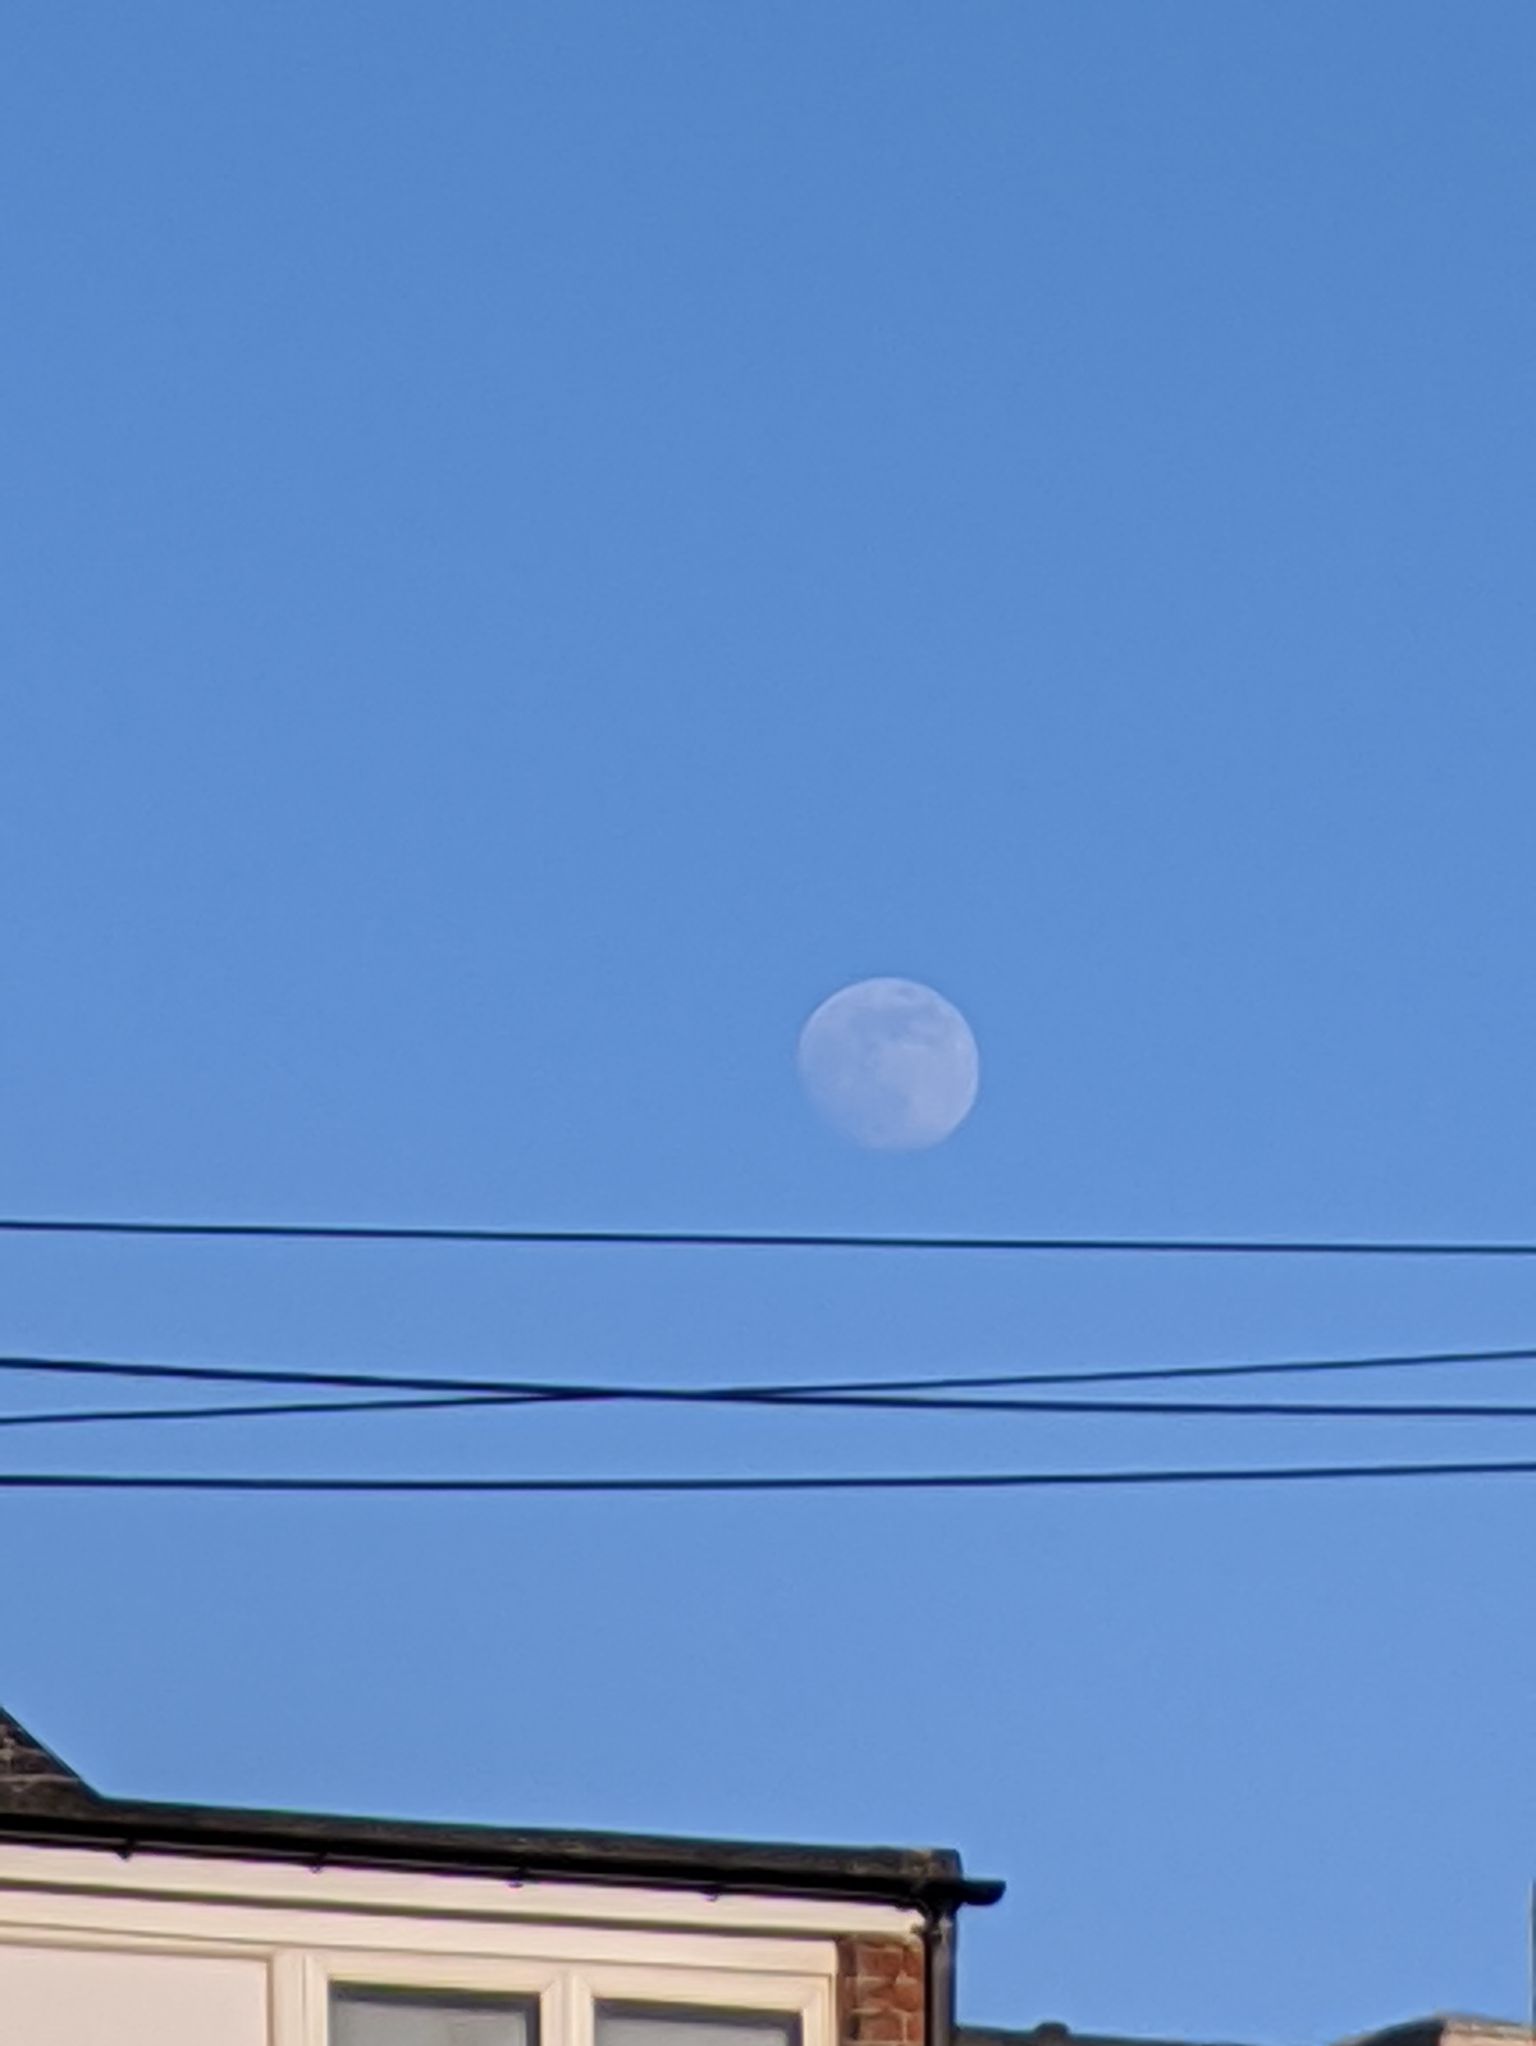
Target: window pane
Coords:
[(631, 2024), (365, 2016)]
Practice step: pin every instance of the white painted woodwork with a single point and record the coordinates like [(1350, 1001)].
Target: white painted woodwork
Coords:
[(96, 1950), (66, 1996)]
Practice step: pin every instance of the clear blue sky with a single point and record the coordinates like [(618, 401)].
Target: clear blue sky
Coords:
[(538, 541)]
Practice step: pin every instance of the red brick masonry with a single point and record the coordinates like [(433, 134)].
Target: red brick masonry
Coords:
[(880, 1992)]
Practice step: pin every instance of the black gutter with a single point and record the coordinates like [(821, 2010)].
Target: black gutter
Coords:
[(928, 1880)]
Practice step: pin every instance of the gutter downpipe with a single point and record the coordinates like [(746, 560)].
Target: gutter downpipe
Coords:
[(939, 1976)]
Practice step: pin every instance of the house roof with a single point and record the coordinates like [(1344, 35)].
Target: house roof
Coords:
[(32, 1778), (1446, 2028), (1440, 2029), (1050, 2032), (43, 1801)]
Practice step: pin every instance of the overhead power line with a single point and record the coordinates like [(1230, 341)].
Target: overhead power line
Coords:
[(729, 1239), (924, 1481), (1188, 1409), (409, 1392), (1392, 1360), (510, 1390), (807, 1392), (251, 1410)]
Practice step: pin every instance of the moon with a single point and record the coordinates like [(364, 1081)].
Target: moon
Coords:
[(890, 1064)]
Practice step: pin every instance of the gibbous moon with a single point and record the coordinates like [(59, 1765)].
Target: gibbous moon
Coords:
[(891, 1064)]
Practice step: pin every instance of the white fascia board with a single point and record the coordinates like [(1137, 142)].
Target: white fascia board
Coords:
[(104, 1873)]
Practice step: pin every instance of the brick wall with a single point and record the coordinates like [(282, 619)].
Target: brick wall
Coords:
[(880, 1992)]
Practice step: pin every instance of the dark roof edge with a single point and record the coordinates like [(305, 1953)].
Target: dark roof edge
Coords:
[(1051, 2032), (931, 1881)]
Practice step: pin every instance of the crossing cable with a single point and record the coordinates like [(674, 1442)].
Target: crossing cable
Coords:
[(409, 1392), (809, 1391)]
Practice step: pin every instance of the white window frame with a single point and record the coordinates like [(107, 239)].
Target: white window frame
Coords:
[(566, 1997)]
